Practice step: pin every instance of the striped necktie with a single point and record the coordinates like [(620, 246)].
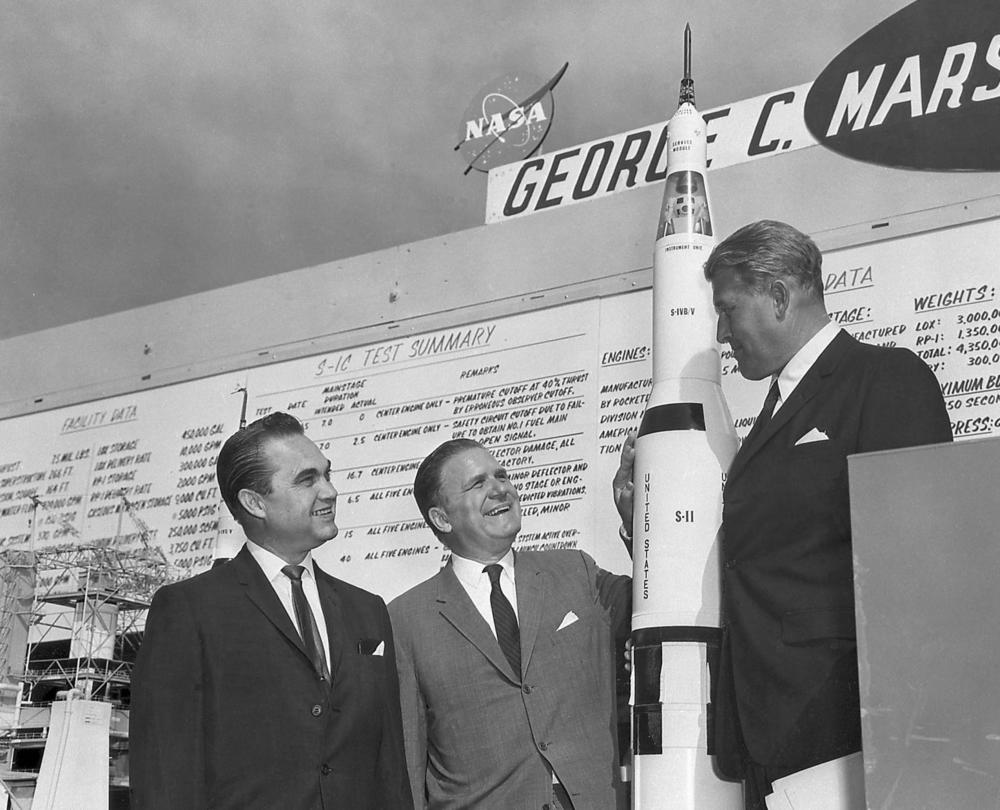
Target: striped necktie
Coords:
[(307, 622), (766, 411), (504, 620)]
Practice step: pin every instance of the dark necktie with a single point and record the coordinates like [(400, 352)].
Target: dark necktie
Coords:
[(504, 620), (307, 623), (766, 411)]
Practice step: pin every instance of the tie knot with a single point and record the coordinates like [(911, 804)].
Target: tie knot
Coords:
[(493, 572), (294, 572)]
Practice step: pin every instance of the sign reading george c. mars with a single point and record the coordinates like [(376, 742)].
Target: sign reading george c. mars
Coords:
[(921, 90)]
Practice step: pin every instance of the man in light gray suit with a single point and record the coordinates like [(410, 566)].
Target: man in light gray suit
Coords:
[(506, 660)]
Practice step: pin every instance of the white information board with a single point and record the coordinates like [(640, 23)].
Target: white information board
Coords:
[(551, 392)]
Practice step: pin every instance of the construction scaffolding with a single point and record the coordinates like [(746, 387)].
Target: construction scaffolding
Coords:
[(71, 616)]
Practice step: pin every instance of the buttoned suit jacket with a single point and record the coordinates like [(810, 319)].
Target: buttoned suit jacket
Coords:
[(229, 714), (789, 655), (479, 734)]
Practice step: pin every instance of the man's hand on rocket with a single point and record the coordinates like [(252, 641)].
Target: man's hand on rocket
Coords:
[(622, 485)]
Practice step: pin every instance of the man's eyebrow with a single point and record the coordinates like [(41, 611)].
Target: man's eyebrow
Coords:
[(313, 472)]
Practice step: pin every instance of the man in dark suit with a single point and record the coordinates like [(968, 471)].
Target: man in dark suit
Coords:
[(266, 683), (787, 696), (505, 659)]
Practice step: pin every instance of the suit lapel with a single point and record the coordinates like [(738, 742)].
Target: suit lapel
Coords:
[(530, 601), (260, 592), (808, 387), (333, 615), (457, 609)]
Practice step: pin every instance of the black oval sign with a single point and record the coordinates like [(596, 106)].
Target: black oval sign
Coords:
[(920, 90)]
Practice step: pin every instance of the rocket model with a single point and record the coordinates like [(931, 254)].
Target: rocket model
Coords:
[(685, 445)]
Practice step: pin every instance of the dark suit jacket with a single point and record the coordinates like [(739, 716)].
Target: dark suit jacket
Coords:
[(789, 658), (478, 734), (228, 713)]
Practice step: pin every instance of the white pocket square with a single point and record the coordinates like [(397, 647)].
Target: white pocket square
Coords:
[(568, 619), (380, 649), (814, 435)]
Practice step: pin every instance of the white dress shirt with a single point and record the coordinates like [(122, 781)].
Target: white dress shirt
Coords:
[(271, 565), (795, 369), (477, 583)]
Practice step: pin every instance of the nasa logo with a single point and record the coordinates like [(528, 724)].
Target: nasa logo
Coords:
[(507, 120), (500, 123), (921, 90)]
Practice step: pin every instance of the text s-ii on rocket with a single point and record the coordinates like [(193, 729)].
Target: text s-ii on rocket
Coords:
[(685, 445)]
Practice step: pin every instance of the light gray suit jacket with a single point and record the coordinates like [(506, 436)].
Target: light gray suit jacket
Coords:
[(480, 735)]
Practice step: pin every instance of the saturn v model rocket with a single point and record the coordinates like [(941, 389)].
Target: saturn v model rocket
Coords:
[(685, 444)]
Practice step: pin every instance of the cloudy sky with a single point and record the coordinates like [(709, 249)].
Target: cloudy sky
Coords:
[(150, 150)]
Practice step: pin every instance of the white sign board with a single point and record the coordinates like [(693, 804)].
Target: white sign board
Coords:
[(755, 128), (551, 392)]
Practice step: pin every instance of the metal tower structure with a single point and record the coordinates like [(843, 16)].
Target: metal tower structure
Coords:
[(70, 621)]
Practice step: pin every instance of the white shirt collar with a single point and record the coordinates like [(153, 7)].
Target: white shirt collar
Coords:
[(795, 369), (271, 564), (470, 572)]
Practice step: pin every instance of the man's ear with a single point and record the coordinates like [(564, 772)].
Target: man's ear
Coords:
[(252, 502), (780, 298), (439, 519)]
